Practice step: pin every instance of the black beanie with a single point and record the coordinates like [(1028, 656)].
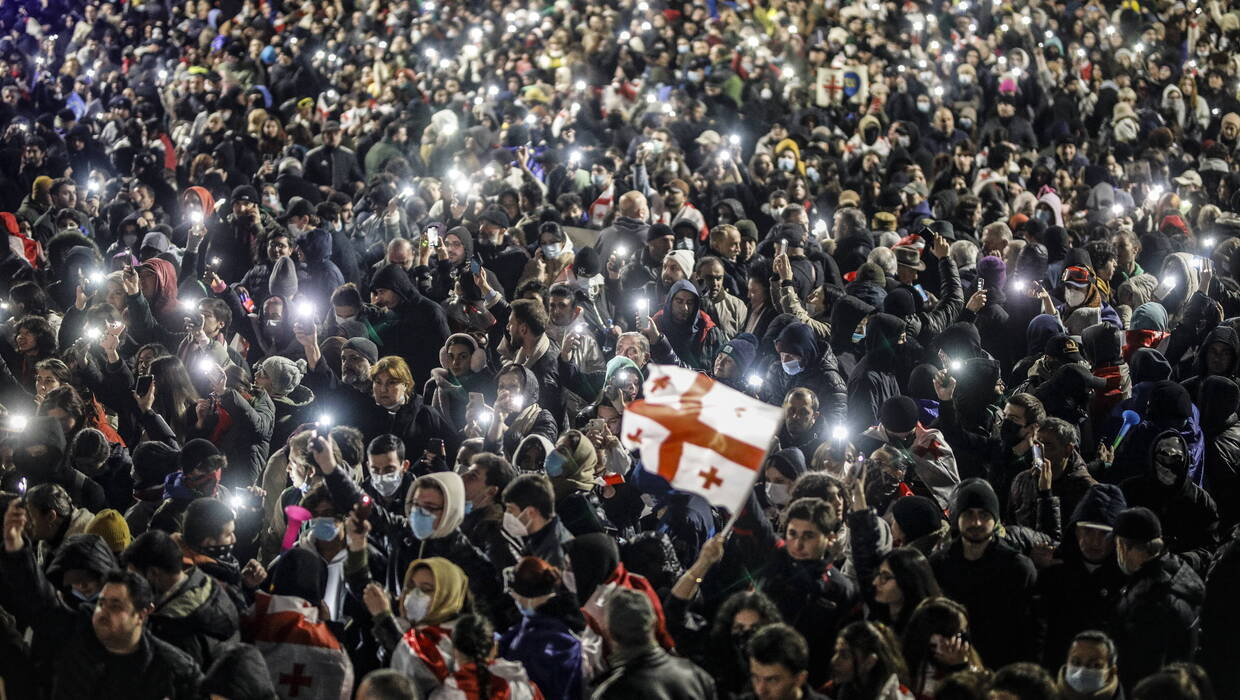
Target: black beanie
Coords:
[(975, 493), (899, 302), (917, 516), (899, 414), (586, 263)]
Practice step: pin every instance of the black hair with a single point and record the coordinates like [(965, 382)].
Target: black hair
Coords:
[(1026, 681), (205, 517), (757, 601), (531, 490), (500, 471), (154, 549), (779, 644), (50, 497), (140, 593), (390, 684), (915, 579), (474, 638), (386, 443)]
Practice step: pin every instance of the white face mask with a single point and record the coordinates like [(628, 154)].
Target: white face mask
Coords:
[(386, 484), (1085, 680), (1075, 297), (777, 494), (514, 527), (417, 604)]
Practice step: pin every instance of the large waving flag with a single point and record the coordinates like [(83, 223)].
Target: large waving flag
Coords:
[(699, 435)]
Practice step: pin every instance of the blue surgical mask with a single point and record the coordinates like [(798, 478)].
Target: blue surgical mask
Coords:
[(469, 507), (858, 337), (525, 611), (598, 180), (325, 529), (813, 174), (792, 368), (551, 251), (92, 598), (387, 484), (554, 464), (787, 164), (422, 523), (1085, 680)]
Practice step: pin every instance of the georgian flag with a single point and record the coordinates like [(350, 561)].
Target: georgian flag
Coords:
[(699, 435), (304, 658)]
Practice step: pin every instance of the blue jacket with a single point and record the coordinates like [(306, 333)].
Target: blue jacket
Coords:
[(550, 652)]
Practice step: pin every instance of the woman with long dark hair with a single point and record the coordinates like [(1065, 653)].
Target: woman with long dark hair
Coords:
[(903, 580), (867, 665)]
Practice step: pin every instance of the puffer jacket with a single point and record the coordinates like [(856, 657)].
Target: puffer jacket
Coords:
[(197, 617), (1155, 621)]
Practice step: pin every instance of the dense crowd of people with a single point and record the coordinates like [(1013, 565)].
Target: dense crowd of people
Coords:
[(321, 320)]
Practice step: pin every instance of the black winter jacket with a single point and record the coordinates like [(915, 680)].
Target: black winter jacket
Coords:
[(656, 675), (1155, 621)]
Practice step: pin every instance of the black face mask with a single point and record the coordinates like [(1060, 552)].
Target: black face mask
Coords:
[(220, 552), (1009, 432)]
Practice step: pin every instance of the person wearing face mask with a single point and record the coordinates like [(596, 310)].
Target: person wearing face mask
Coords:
[(193, 610), (1154, 622), (39, 455), (552, 259), (430, 525), (1219, 399), (201, 464), (530, 518), (417, 633), (782, 469), (1091, 671), (547, 638), (209, 541), (78, 568), (571, 467), (806, 363), (1081, 291), (1188, 515)]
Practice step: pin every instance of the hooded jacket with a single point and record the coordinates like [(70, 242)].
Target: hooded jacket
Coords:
[(695, 341), (1163, 405), (1220, 400), (1224, 335), (874, 379), (819, 373), (1102, 346), (1188, 514), (318, 276), (415, 329)]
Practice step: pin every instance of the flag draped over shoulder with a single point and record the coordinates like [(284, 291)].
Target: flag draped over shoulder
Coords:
[(303, 656)]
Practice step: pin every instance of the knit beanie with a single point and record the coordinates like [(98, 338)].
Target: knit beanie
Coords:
[(283, 279), (898, 414), (284, 373), (975, 493), (111, 526), (917, 516), (683, 258)]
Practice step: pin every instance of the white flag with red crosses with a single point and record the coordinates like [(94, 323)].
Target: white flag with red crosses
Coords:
[(699, 435)]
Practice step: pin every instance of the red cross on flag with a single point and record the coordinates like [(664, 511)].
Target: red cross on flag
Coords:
[(700, 435)]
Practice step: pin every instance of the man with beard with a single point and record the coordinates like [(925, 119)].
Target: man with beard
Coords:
[(803, 426), (350, 394), (1061, 477), (989, 577), (693, 335)]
